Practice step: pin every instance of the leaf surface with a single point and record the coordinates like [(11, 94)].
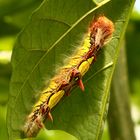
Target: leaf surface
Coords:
[(53, 32)]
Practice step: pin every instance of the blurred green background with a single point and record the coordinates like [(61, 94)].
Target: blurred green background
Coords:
[(15, 14)]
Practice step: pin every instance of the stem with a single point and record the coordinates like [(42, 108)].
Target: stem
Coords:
[(119, 115)]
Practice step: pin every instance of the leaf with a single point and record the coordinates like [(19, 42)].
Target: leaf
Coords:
[(10, 7), (54, 29), (54, 135), (14, 14)]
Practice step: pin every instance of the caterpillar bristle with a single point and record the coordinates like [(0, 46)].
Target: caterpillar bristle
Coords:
[(69, 75)]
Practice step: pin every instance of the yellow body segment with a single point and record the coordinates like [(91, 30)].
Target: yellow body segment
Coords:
[(55, 98), (46, 93), (77, 57), (85, 65), (43, 98)]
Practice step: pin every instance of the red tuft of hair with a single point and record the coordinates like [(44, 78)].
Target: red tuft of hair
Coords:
[(101, 29)]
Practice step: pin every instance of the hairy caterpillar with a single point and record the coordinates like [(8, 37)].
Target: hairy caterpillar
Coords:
[(70, 75)]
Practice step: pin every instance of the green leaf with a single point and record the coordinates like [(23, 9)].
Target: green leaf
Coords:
[(45, 134), (14, 14), (45, 42), (54, 135), (14, 6)]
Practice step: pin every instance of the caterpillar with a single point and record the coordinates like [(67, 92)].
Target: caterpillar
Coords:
[(99, 33)]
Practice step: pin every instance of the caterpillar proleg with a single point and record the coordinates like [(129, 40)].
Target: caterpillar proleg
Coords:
[(70, 75)]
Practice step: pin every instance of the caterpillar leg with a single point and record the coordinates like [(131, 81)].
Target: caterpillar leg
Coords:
[(76, 75), (50, 116), (80, 84)]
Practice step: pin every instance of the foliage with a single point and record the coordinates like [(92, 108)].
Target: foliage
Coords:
[(36, 56)]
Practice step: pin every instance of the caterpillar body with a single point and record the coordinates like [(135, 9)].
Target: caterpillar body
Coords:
[(70, 75)]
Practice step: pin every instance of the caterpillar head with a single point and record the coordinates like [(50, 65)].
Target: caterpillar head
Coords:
[(101, 31)]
